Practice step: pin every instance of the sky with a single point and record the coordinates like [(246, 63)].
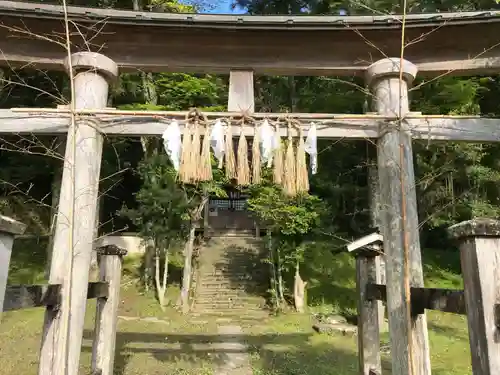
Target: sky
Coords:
[(224, 7)]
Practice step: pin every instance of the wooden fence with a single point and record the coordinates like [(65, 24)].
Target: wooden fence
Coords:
[(106, 291), (479, 244)]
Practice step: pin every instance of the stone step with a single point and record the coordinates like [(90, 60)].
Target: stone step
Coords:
[(233, 301), (210, 280), (232, 233), (229, 314), (228, 287), (236, 310), (224, 264), (225, 292), (244, 292), (226, 284), (233, 275)]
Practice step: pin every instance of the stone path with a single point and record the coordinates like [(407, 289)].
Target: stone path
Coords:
[(233, 355)]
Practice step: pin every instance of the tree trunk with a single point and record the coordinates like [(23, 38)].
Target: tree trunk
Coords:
[(274, 276), (299, 288), (188, 253), (148, 264), (186, 276), (161, 282), (281, 292)]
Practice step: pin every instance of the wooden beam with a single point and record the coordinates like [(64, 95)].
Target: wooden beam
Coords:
[(374, 202), (18, 297), (428, 128), (444, 300), (479, 241), (322, 45), (8, 229), (241, 94), (368, 272), (75, 222), (103, 347), (400, 229)]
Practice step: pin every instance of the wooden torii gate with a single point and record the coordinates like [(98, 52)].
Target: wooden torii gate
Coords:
[(393, 127)]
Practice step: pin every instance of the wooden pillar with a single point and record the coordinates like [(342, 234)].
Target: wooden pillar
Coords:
[(480, 259), (8, 229), (103, 348), (77, 209), (399, 218), (374, 200), (241, 92), (368, 272)]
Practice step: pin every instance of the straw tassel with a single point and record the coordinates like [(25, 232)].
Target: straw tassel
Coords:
[(195, 153), (184, 169), (205, 172), (230, 159), (289, 173), (243, 167), (256, 175), (302, 185), (278, 159)]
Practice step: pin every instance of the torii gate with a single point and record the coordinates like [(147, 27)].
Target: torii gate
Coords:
[(393, 126)]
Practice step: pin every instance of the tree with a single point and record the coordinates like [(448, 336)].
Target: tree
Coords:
[(290, 221), (160, 215)]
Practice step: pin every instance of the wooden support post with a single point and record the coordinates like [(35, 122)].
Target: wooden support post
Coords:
[(374, 199), (103, 347), (398, 204), (8, 229), (75, 223), (480, 259), (241, 93), (367, 273)]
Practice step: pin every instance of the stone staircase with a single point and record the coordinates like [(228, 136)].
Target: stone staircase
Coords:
[(231, 279)]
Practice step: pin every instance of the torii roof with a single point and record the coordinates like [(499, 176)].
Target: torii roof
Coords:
[(464, 43)]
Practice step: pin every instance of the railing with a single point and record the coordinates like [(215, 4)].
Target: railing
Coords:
[(106, 291), (479, 243)]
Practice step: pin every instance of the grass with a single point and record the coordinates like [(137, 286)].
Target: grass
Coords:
[(283, 345)]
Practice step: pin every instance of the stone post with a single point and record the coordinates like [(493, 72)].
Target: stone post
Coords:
[(75, 223), (8, 229), (480, 257), (398, 206)]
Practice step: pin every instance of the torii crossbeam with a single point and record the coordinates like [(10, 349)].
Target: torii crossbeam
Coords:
[(329, 126)]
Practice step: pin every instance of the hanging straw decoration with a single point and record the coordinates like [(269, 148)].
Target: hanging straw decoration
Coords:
[(185, 167), (278, 157), (289, 173), (256, 168), (205, 172), (243, 167), (230, 159), (302, 182), (195, 152)]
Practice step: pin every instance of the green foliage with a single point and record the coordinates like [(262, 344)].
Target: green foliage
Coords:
[(291, 220), (162, 206), (284, 215), (175, 91)]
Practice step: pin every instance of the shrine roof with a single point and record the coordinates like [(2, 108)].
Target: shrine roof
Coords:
[(321, 22), (465, 43)]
